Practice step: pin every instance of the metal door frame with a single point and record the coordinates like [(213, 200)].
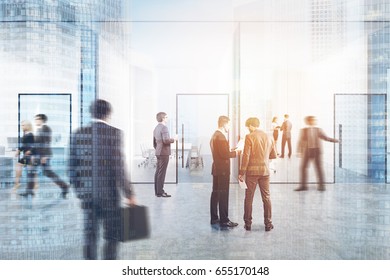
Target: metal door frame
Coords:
[(46, 94)]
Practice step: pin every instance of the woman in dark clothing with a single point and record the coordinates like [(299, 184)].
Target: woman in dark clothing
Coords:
[(26, 148)]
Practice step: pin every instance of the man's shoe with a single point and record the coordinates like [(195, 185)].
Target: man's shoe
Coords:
[(321, 188), (301, 189), (26, 194), (228, 224), (248, 227), (269, 227), (64, 192), (214, 222), (164, 195)]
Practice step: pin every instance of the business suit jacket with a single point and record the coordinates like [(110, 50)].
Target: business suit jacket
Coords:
[(255, 158), (161, 140), (97, 166), (310, 138), (221, 154), (43, 141), (27, 145), (286, 128)]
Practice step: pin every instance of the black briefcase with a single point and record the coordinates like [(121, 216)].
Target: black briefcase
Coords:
[(135, 223)]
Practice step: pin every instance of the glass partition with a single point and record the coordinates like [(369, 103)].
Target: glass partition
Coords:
[(360, 124), (58, 109), (170, 58), (257, 58), (295, 68), (197, 119)]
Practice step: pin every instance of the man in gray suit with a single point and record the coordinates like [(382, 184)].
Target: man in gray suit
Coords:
[(98, 173), (162, 143)]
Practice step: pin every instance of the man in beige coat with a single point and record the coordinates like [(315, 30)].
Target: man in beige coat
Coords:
[(255, 168)]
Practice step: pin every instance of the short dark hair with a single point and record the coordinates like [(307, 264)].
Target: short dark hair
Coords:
[(160, 116), (252, 122), (100, 109), (42, 117), (222, 120)]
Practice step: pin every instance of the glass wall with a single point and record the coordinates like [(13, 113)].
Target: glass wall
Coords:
[(168, 59), (286, 69), (197, 119), (58, 109), (268, 64)]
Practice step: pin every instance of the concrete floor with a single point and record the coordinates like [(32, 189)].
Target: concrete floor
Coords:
[(350, 221)]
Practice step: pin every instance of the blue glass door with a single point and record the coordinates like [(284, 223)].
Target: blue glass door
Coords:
[(361, 126)]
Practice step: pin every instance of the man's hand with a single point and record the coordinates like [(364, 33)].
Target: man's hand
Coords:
[(43, 160), (131, 201), (241, 178)]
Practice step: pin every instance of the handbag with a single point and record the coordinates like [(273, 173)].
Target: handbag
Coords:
[(273, 154), (134, 223)]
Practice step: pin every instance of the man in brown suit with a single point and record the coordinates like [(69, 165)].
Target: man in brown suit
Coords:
[(286, 137), (255, 167), (309, 145), (221, 174)]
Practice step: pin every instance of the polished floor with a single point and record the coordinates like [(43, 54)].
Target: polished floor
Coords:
[(350, 221)]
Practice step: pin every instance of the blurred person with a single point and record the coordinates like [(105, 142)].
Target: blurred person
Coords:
[(26, 147), (162, 144), (309, 145), (275, 130), (255, 170), (99, 176), (43, 154), (286, 137), (221, 174)]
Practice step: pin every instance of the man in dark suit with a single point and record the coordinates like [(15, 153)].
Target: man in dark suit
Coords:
[(98, 173), (42, 156), (255, 168), (162, 143), (309, 144), (286, 137), (221, 174)]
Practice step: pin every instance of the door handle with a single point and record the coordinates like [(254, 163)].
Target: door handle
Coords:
[(340, 145), (182, 145)]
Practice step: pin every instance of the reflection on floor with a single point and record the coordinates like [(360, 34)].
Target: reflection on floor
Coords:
[(344, 222), (284, 170), (195, 174)]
